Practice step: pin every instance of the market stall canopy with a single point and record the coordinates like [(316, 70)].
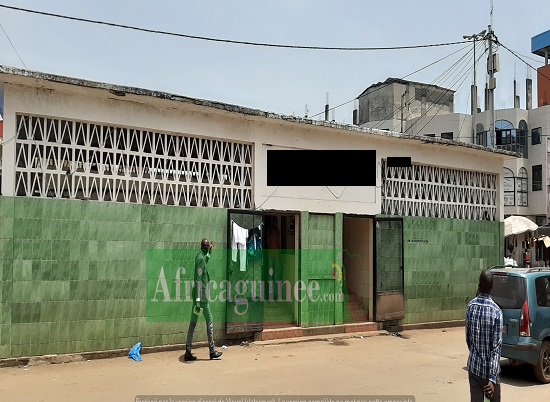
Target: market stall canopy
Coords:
[(514, 225), (543, 230)]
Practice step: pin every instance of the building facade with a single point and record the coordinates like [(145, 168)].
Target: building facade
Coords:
[(106, 187)]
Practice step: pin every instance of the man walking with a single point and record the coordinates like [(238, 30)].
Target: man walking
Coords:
[(200, 292), (484, 340)]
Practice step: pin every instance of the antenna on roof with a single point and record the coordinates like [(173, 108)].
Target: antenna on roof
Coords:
[(326, 109), (492, 7)]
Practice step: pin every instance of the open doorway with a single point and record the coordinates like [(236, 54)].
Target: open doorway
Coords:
[(281, 269), (358, 268), (271, 265)]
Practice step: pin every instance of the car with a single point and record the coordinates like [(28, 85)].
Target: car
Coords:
[(523, 294)]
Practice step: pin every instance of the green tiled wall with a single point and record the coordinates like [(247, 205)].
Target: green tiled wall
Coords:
[(73, 272), (443, 259)]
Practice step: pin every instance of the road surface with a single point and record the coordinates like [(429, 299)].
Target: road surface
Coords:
[(427, 364)]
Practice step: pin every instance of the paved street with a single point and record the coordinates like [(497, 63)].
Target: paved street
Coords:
[(428, 364)]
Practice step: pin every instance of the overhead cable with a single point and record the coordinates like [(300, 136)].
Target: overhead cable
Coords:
[(237, 42)]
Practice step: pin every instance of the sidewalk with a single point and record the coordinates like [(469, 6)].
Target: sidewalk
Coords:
[(428, 364)]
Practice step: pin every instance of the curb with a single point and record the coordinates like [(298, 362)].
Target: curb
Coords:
[(321, 338), (87, 356), (434, 325), (108, 354)]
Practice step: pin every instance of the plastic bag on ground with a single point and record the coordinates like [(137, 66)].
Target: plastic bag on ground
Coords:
[(135, 352)]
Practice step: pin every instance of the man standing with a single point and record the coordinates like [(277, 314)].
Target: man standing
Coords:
[(200, 292), (484, 339)]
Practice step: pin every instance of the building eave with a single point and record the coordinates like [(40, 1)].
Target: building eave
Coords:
[(6, 72)]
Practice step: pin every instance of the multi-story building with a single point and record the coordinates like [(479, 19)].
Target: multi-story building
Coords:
[(427, 110)]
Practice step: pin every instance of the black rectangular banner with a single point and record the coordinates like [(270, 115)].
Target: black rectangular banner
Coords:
[(399, 161), (321, 167)]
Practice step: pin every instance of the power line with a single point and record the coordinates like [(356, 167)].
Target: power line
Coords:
[(225, 40), (445, 93), (385, 85), (530, 58), (436, 81), (13, 46), (516, 54)]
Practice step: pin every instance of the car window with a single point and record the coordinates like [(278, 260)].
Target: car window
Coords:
[(509, 291), (542, 286)]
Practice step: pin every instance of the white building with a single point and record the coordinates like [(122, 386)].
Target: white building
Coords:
[(427, 110)]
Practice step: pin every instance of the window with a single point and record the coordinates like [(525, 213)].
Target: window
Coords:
[(511, 139), (521, 188), (447, 136), (536, 183), (536, 136), (509, 292), (542, 286), (521, 138), (480, 137), (509, 188), (430, 135)]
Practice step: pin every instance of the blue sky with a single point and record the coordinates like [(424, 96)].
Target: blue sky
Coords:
[(276, 80)]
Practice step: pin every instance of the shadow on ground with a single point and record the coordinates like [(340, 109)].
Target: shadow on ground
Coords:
[(516, 374)]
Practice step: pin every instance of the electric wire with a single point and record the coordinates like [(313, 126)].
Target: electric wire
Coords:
[(385, 85), (516, 55), (459, 77), (436, 113), (205, 38), (441, 97), (13, 46), (437, 81)]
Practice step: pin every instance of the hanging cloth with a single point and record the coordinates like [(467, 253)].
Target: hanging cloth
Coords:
[(254, 243), (239, 236)]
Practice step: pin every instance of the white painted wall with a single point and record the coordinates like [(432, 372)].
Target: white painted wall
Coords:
[(30, 95)]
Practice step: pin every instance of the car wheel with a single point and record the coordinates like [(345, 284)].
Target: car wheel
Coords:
[(542, 368)]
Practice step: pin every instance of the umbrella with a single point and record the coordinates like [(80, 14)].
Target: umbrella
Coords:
[(518, 224)]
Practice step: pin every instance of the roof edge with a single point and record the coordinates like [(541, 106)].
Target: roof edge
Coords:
[(6, 70)]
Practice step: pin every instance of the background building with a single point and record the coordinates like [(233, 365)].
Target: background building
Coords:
[(426, 110)]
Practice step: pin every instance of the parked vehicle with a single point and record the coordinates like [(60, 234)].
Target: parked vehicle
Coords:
[(523, 294)]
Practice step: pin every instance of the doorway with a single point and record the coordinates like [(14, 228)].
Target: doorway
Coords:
[(358, 261), (281, 271), (269, 266)]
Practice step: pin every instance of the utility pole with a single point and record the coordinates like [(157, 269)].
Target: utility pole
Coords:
[(492, 67), (474, 37)]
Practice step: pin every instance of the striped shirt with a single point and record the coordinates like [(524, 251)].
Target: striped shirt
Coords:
[(484, 337)]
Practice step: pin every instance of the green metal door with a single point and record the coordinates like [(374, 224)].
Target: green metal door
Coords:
[(390, 300)]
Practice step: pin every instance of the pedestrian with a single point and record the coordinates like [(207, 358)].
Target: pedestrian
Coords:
[(484, 340), (200, 291)]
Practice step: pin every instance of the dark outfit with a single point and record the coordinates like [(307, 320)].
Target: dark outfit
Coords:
[(199, 295), (484, 340)]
